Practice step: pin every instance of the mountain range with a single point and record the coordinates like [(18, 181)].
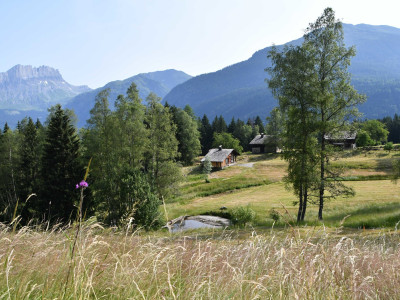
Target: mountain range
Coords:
[(29, 91), (240, 89), (35, 88), (160, 83), (236, 91)]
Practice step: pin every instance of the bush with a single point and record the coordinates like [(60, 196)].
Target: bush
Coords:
[(139, 201), (242, 215), (274, 215), (388, 146)]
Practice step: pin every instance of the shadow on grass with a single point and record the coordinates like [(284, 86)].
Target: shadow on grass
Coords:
[(262, 157), (385, 165), (371, 216), (197, 170)]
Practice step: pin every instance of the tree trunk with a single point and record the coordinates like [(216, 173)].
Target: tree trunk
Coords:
[(322, 178), (300, 212), (303, 213)]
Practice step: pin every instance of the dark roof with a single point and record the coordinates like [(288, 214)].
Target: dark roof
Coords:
[(218, 155), (342, 135), (260, 140)]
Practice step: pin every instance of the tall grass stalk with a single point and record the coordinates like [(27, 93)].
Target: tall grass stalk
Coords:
[(78, 226), (314, 264)]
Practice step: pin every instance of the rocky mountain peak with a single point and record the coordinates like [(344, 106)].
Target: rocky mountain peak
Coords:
[(21, 72)]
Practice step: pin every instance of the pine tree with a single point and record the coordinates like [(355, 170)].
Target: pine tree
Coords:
[(9, 161), (243, 133), (29, 166), (6, 128), (61, 169), (232, 126), (206, 135), (260, 124), (222, 124), (38, 124), (219, 125)]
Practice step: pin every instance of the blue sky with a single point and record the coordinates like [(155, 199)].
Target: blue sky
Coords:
[(93, 42)]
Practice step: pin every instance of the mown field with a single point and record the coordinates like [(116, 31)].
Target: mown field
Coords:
[(257, 181)]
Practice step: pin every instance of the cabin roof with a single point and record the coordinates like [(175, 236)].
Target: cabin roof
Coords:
[(261, 139), (219, 155), (342, 135)]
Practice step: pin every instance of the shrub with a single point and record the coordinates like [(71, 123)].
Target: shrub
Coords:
[(207, 167), (242, 215), (388, 146), (274, 215)]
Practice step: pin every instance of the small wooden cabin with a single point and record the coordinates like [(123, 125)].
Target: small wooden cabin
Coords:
[(263, 143), (343, 139), (221, 158)]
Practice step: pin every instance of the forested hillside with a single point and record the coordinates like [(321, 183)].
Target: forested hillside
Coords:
[(160, 83), (239, 90)]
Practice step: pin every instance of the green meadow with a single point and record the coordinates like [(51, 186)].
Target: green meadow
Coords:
[(257, 181)]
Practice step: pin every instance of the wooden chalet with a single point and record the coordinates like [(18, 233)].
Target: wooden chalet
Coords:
[(343, 139), (221, 158), (263, 143)]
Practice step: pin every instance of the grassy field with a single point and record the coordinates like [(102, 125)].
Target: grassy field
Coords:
[(301, 263), (376, 203), (355, 255)]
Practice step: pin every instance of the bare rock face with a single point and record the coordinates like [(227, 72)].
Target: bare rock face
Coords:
[(27, 87)]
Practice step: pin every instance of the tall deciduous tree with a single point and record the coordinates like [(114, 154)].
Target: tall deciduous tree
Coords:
[(275, 126), (335, 97), (292, 83), (163, 147), (320, 65), (226, 140), (187, 134), (98, 141), (376, 130)]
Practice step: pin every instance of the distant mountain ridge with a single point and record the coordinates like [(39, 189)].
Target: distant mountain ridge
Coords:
[(27, 87), (240, 90), (159, 82), (29, 91)]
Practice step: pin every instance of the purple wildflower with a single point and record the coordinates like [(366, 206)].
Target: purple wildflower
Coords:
[(83, 184)]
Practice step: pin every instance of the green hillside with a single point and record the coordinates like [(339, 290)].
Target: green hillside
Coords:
[(160, 83), (240, 90)]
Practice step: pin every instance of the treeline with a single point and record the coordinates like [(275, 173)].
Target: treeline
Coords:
[(135, 162), (136, 149), (237, 135), (378, 132)]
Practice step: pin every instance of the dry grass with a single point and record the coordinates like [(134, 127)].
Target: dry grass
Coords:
[(368, 166), (288, 264), (263, 198)]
